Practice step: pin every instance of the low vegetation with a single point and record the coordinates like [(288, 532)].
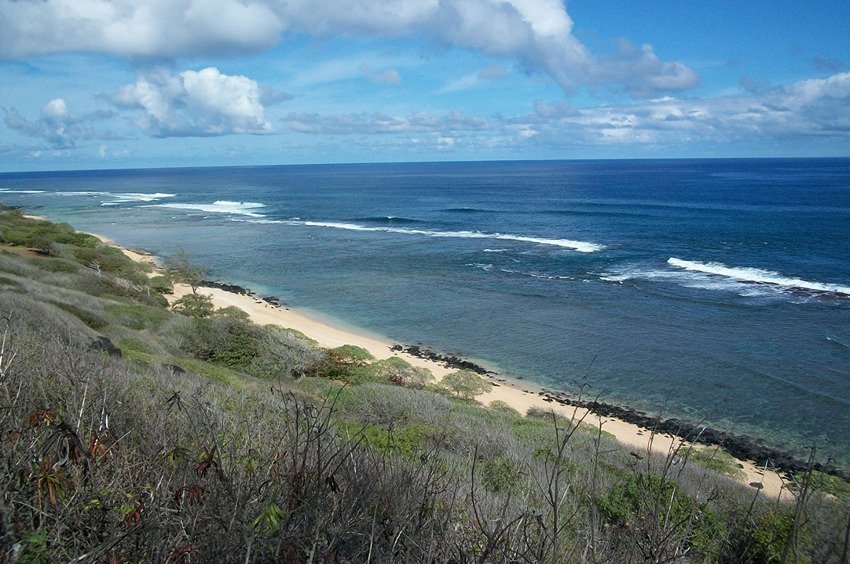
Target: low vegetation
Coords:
[(132, 431)]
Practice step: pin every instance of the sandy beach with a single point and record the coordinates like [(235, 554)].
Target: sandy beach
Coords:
[(520, 396)]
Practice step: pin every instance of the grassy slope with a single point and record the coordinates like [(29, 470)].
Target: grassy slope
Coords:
[(216, 439)]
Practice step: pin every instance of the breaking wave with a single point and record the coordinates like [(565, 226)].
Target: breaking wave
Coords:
[(219, 206), (747, 282), (580, 246), (757, 276)]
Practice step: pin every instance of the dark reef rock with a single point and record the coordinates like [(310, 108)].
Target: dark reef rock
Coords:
[(236, 289), (449, 361), (742, 447), (232, 288)]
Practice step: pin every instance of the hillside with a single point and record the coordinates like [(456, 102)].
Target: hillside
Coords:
[(138, 429)]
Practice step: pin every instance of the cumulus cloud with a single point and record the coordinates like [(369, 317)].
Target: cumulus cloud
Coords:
[(537, 34), (58, 126), (807, 108), (195, 103), (129, 27), (817, 108)]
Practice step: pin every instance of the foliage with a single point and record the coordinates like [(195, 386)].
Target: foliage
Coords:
[(194, 305), (231, 311), (352, 353), (465, 384), (392, 369), (503, 407), (181, 269), (136, 316), (91, 319), (715, 459), (654, 506), (161, 284)]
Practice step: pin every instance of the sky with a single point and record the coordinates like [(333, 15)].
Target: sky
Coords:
[(96, 84)]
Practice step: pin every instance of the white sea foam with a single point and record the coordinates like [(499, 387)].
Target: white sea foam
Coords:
[(758, 276), (496, 250), (80, 194), (219, 206), (580, 246), (138, 197), (6, 191)]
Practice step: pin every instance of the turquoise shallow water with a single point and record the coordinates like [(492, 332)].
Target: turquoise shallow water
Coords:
[(717, 290)]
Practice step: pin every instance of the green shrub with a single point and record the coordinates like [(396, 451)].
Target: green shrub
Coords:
[(227, 341), (392, 369), (198, 306), (465, 384), (648, 501), (503, 407), (232, 311), (133, 344), (499, 474), (161, 284), (717, 460), (353, 353), (103, 258), (88, 317), (135, 316), (406, 441), (59, 265), (293, 333)]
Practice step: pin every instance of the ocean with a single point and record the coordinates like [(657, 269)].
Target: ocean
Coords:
[(716, 291)]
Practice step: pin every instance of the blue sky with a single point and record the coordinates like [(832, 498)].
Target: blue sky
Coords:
[(126, 83)]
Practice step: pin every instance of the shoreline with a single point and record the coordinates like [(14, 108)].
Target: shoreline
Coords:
[(640, 432), (744, 448), (632, 429)]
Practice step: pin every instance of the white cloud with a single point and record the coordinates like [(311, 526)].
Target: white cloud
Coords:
[(807, 108), (130, 27), (818, 108), (195, 103), (58, 126), (537, 34), (380, 123)]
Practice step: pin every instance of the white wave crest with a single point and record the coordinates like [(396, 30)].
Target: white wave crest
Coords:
[(7, 191), (219, 206), (580, 246), (758, 276), (138, 197)]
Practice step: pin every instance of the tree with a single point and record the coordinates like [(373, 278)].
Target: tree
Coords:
[(182, 270), (465, 384), (194, 305)]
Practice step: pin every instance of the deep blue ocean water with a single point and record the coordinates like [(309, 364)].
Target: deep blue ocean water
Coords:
[(715, 290)]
